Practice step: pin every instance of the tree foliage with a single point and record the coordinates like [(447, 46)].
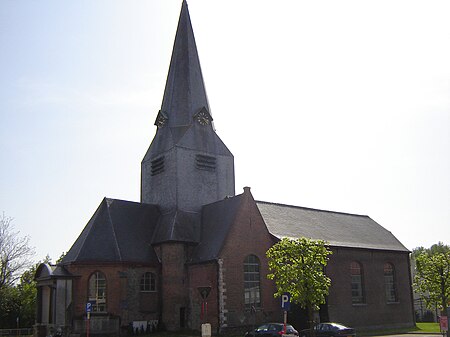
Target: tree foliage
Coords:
[(19, 301), (15, 253), (432, 277), (297, 266)]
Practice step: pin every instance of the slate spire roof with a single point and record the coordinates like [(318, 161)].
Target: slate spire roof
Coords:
[(185, 92), (185, 100)]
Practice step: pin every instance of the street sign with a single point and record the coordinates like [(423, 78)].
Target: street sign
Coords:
[(286, 301), (204, 292), (88, 307)]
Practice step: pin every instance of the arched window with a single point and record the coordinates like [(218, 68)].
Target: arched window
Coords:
[(148, 282), (389, 283), (252, 292), (97, 292), (356, 273)]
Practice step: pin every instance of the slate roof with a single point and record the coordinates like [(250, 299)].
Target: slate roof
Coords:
[(185, 92), (338, 229), (217, 219), (178, 225), (119, 231), (184, 97)]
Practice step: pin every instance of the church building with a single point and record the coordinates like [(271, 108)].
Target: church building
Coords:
[(192, 251)]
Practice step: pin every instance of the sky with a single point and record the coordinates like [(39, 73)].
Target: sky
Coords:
[(334, 105)]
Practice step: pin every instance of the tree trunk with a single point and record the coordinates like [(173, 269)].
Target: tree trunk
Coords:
[(311, 321)]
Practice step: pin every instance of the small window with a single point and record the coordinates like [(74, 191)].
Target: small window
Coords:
[(97, 292), (148, 282), (357, 279), (252, 293), (389, 283)]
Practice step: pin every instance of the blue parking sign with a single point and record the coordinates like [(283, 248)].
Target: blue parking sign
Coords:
[(88, 307), (286, 301)]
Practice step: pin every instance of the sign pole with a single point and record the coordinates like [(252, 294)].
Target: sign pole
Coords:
[(88, 317), (206, 327), (88, 323), (286, 306)]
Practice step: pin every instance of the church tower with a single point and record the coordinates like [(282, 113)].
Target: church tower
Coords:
[(186, 165)]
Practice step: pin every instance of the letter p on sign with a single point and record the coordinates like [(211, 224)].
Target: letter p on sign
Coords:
[(286, 301)]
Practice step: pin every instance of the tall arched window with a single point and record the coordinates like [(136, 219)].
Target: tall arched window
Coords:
[(356, 273), (97, 292), (252, 292), (389, 283), (148, 282)]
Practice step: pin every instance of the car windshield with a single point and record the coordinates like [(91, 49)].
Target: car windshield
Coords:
[(338, 326), (275, 327)]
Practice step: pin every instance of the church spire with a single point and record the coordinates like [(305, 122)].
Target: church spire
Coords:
[(185, 94)]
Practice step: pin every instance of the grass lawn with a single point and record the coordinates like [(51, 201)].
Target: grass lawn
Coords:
[(428, 327), (420, 328)]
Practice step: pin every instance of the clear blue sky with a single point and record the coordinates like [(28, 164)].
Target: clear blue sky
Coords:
[(336, 105)]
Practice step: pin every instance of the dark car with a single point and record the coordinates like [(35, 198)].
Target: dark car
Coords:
[(272, 329), (330, 330)]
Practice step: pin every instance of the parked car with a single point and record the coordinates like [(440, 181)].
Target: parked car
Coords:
[(272, 330), (329, 330)]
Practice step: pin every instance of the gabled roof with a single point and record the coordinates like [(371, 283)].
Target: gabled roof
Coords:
[(338, 229), (217, 219), (119, 231)]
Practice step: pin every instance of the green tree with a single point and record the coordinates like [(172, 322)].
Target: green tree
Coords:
[(27, 293), (9, 306), (18, 301), (432, 277), (297, 266)]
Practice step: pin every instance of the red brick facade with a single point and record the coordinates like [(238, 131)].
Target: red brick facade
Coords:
[(376, 311), (176, 301), (124, 298), (248, 235)]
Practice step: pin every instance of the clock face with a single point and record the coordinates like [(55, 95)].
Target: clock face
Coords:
[(160, 120), (203, 118)]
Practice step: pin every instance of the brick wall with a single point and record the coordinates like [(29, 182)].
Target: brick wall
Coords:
[(249, 235), (375, 312), (174, 286), (123, 296), (203, 275)]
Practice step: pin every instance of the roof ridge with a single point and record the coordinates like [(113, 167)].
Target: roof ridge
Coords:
[(102, 203), (113, 229), (310, 208)]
